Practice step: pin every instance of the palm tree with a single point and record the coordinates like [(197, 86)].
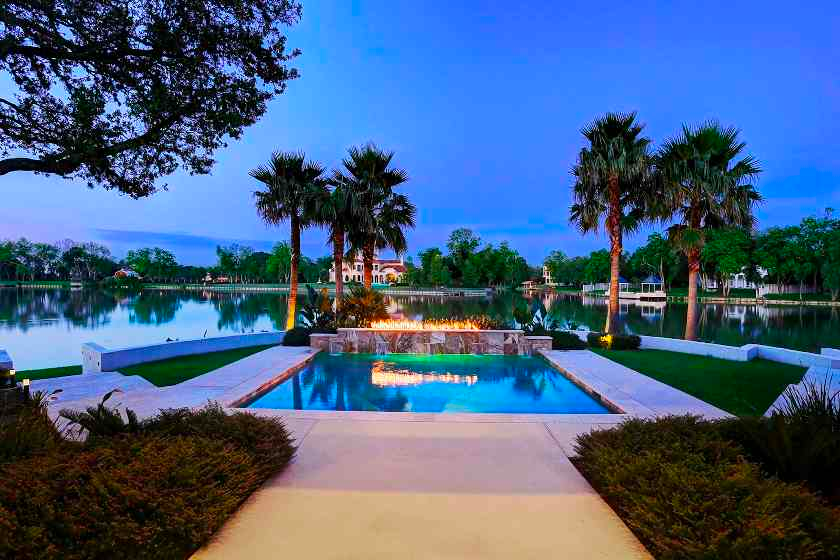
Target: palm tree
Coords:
[(334, 209), (291, 181), (612, 183), (706, 188), (380, 215)]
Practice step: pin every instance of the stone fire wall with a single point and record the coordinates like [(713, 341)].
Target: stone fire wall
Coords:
[(374, 341)]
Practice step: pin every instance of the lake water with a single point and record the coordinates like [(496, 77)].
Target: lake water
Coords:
[(46, 327)]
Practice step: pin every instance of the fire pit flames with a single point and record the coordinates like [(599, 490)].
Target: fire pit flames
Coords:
[(427, 325)]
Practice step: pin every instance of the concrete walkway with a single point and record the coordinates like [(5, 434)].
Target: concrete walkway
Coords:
[(390, 488)]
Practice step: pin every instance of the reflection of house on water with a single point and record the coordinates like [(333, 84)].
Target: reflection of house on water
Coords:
[(650, 310)]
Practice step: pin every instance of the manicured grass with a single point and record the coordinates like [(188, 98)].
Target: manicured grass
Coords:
[(742, 388), (48, 373), (795, 297), (176, 370), (733, 293)]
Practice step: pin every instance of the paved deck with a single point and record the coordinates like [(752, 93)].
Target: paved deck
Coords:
[(389, 488), (228, 385), (635, 394)]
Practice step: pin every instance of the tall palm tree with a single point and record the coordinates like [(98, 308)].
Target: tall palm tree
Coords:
[(380, 214), (612, 183), (334, 209), (290, 181), (707, 187)]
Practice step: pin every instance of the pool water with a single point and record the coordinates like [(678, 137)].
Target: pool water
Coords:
[(430, 383)]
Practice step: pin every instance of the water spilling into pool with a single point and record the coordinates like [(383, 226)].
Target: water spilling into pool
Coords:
[(430, 383)]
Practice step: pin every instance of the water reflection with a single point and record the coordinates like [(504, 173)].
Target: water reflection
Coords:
[(45, 327), (411, 383)]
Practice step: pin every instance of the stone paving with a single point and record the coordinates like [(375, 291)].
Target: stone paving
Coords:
[(228, 385), (384, 489)]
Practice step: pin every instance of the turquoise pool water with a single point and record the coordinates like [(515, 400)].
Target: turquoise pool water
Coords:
[(436, 383)]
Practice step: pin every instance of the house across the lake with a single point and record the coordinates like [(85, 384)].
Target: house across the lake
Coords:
[(385, 271)]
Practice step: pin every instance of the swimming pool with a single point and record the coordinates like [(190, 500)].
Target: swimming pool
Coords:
[(445, 383)]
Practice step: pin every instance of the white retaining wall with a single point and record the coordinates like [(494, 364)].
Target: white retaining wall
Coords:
[(829, 358), (96, 358)]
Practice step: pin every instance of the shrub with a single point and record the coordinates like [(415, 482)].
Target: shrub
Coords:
[(298, 336), (800, 442), (362, 306), (28, 430), (687, 492), (159, 492), (562, 340), (614, 341)]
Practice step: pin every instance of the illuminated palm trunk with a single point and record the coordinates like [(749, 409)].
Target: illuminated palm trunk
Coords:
[(293, 275), (693, 275), (614, 229), (693, 255), (367, 258), (338, 263)]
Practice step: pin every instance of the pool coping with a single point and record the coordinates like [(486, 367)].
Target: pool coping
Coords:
[(232, 399)]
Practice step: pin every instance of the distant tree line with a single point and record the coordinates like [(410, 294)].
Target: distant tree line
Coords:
[(26, 260), (803, 255), (468, 264)]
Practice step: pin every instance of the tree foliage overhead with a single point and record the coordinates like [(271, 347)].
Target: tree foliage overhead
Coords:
[(122, 92)]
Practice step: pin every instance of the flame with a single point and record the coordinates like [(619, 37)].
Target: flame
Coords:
[(426, 325), (381, 376)]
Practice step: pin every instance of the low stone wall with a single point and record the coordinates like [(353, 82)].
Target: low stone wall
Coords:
[(376, 341), (96, 358)]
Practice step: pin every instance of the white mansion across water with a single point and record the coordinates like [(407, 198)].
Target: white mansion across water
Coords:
[(385, 271)]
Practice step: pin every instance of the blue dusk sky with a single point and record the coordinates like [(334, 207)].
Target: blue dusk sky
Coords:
[(483, 104)]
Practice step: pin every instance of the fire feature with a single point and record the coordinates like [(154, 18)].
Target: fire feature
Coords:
[(426, 325)]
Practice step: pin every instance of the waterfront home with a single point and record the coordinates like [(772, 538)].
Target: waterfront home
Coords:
[(384, 270)]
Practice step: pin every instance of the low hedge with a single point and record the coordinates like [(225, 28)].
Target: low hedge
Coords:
[(614, 341), (686, 491), (561, 340), (160, 491), (297, 336)]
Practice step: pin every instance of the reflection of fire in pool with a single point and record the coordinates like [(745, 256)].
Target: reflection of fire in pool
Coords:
[(382, 376), (428, 325)]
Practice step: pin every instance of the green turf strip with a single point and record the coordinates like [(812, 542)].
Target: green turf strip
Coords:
[(176, 370), (742, 388)]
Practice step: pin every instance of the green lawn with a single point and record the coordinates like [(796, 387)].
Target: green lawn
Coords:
[(176, 370), (742, 388), (48, 373), (795, 297)]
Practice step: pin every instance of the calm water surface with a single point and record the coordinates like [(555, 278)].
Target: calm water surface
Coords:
[(437, 383), (46, 327)]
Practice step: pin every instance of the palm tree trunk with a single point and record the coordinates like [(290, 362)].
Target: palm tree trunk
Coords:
[(614, 227), (338, 263), (293, 279), (367, 257), (691, 315)]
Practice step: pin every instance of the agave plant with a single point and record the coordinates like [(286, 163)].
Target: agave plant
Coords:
[(103, 421), (317, 313)]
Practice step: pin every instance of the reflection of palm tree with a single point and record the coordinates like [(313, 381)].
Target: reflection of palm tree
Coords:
[(297, 398)]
